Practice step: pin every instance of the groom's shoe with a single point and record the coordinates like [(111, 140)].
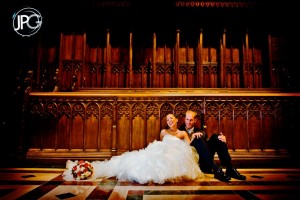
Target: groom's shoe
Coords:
[(219, 174), (207, 170), (233, 173)]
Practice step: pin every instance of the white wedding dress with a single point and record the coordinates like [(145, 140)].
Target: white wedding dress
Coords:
[(170, 160)]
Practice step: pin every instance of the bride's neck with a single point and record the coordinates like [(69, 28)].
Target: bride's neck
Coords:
[(173, 129)]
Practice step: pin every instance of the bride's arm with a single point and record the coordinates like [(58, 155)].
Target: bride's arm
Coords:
[(162, 134)]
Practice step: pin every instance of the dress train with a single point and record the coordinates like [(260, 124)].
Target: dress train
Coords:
[(169, 160)]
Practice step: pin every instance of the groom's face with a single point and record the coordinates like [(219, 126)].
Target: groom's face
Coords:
[(189, 121)]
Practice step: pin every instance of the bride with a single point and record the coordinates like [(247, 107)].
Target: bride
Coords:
[(170, 160)]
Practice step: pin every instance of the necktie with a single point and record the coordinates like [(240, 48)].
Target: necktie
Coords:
[(190, 131)]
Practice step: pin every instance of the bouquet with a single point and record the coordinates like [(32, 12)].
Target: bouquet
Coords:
[(82, 170)]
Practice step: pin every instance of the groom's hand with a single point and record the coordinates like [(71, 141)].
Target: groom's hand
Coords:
[(197, 135), (222, 137)]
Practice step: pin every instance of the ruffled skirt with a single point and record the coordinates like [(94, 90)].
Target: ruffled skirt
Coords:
[(170, 160)]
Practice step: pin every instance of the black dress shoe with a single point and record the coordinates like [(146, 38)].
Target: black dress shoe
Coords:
[(233, 173), (207, 170), (219, 174)]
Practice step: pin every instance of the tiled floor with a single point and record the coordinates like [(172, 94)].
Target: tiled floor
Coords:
[(47, 183)]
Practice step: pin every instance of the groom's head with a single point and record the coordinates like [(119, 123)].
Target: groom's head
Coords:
[(190, 119)]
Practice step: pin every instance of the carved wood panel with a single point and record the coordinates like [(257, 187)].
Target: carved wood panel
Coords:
[(82, 124), (242, 60)]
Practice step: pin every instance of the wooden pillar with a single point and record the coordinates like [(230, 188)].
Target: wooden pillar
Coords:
[(59, 79), (200, 60), (83, 60), (246, 62), (114, 128), (166, 73), (183, 78), (223, 60), (176, 69), (271, 71), (130, 62), (108, 61), (153, 77)]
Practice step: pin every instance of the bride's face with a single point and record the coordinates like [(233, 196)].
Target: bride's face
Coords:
[(171, 120)]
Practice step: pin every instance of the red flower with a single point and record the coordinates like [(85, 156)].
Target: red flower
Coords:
[(82, 170)]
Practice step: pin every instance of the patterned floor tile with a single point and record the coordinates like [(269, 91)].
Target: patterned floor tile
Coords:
[(35, 183)]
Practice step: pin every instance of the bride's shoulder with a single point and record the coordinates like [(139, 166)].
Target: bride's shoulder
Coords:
[(163, 132)]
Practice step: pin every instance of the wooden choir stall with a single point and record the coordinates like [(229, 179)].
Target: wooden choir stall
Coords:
[(99, 123)]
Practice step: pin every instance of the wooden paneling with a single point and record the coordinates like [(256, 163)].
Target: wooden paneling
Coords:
[(102, 123), (137, 60), (72, 60)]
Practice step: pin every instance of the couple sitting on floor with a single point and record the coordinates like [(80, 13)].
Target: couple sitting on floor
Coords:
[(176, 157)]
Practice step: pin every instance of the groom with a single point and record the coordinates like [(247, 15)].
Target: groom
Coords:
[(206, 149)]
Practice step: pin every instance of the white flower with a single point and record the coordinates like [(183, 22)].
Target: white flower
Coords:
[(82, 170)]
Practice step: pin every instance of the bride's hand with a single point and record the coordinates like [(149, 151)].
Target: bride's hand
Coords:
[(193, 137)]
